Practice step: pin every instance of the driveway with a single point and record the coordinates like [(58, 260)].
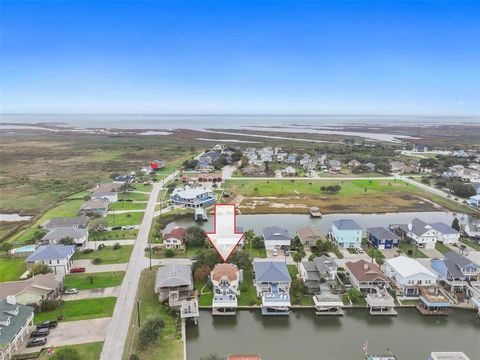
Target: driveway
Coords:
[(90, 268), (432, 253), (74, 332), (93, 293)]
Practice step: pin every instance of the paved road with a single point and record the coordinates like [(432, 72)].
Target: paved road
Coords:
[(118, 329), (289, 178)]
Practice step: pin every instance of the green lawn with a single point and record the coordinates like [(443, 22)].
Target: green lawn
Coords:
[(187, 254), (94, 280), (113, 235), (108, 255), (442, 247), (12, 268), (133, 196), (79, 195), (133, 218), (471, 243), (80, 310), (404, 246), (141, 187), (88, 351), (169, 346), (126, 205), (248, 294), (293, 271), (206, 298)]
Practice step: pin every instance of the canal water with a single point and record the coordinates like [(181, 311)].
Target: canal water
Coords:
[(293, 222), (305, 336)]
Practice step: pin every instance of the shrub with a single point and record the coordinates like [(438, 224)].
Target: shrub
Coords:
[(201, 274), (87, 251), (150, 331), (97, 261), (66, 353), (169, 253), (116, 246), (39, 268)]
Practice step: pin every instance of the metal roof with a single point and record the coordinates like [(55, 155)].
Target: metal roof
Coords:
[(275, 233), (52, 252), (172, 275), (271, 271), (346, 224), (382, 234)]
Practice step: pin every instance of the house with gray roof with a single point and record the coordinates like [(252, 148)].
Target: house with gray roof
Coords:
[(426, 235), (174, 284), (15, 319), (57, 257), (55, 235), (79, 222), (272, 283), (313, 273), (192, 197), (445, 233), (32, 290), (346, 233), (97, 207), (275, 237), (455, 270)]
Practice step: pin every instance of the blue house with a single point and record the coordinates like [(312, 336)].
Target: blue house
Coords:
[(474, 201), (346, 233), (455, 270), (382, 238)]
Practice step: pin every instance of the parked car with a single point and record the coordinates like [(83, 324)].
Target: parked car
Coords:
[(47, 324), (116, 228), (40, 341), (274, 252), (71, 291), (287, 252), (359, 250), (77, 269), (127, 227), (40, 333)]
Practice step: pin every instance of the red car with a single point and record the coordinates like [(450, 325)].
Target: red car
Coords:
[(77, 270)]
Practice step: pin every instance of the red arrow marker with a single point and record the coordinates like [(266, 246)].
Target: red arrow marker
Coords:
[(224, 237)]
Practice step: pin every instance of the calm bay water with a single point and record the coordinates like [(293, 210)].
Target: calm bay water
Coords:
[(294, 222), (305, 336)]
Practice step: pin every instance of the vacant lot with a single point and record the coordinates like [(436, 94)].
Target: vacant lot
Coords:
[(127, 205), (359, 196), (132, 218), (169, 346), (94, 281), (12, 268), (85, 351), (80, 310), (113, 235), (108, 255)]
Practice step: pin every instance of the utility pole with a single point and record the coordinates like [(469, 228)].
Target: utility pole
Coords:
[(138, 312), (150, 252)]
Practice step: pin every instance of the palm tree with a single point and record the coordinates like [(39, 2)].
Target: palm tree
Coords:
[(297, 257)]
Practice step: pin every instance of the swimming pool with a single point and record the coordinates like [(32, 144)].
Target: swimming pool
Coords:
[(24, 249)]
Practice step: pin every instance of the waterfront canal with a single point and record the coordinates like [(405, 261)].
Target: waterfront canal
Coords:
[(305, 336), (293, 222)]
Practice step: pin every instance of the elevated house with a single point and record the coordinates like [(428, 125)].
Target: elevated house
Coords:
[(366, 276), (409, 276), (107, 191), (57, 257), (289, 171), (174, 239), (33, 290), (272, 284), (446, 234), (334, 166), (309, 165), (346, 233), (192, 197), (225, 279), (433, 302), (309, 235), (205, 167), (97, 207), (174, 285), (382, 238), (422, 234), (275, 237), (472, 229), (313, 273), (78, 235), (455, 270), (15, 320), (474, 201), (78, 222)]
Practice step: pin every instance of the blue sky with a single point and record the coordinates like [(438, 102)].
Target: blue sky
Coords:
[(240, 57)]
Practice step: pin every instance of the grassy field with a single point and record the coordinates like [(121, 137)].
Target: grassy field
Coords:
[(88, 351), (126, 205), (108, 255), (442, 247), (80, 310), (169, 346), (471, 243), (12, 268), (113, 235), (134, 218), (141, 187), (355, 196), (133, 196), (94, 280), (404, 246), (187, 254)]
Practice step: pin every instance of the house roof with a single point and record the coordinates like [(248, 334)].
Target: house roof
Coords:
[(443, 228), (365, 271), (176, 233), (453, 269), (346, 224), (8, 333), (406, 266), (41, 283), (225, 269), (190, 193), (323, 263), (173, 275), (271, 271), (275, 233), (52, 252), (107, 188), (457, 259), (65, 232), (419, 227), (80, 221), (309, 232), (95, 204), (382, 234)]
